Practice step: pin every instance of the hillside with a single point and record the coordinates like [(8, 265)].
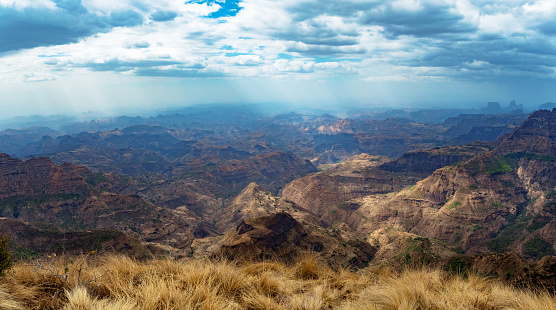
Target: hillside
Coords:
[(445, 207), (71, 197), (499, 201)]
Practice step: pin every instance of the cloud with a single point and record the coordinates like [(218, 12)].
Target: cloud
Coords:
[(37, 77), (137, 44), (320, 32), (124, 19), (178, 72), (397, 40), (304, 10), (163, 16), (71, 6), (67, 22), (418, 18), (548, 27), (324, 50), (121, 66)]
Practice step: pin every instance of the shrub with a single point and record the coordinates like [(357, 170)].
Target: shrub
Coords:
[(538, 248), (5, 257)]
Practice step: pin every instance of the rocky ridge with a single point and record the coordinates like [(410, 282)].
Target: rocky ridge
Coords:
[(280, 236), (498, 201)]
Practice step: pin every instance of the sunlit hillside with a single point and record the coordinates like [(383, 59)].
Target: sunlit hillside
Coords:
[(117, 282)]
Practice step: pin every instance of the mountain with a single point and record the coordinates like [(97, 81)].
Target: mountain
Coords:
[(272, 170), (502, 200), (253, 201), (280, 236), (466, 128), (39, 191), (247, 189), (427, 161), (33, 239), (39, 178), (329, 193), (12, 141)]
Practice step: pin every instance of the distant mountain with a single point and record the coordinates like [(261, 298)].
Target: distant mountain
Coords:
[(547, 106), (466, 128), (426, 162)]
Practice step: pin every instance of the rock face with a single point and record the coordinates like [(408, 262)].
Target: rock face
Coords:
[(253, 202), (498, 201), (38, 177), (328, 194), (39, 191), (536, 136), (426, 162), (466, 128), (270, 170), (264, 238), (401, 249), (280, 236)]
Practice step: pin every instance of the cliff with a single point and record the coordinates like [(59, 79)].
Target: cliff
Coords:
[(501, 200)]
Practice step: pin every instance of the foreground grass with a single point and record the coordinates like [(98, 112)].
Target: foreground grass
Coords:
[(115, 282)]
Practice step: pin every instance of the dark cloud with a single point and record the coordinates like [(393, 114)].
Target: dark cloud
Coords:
[(427, 21), (33, 27), (71, 6), (548, 27), (307, 10), (68, 23), (124, 19), (163, 16), (318, 33), (483, 58)]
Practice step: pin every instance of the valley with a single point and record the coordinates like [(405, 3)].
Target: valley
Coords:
[(356, 192)]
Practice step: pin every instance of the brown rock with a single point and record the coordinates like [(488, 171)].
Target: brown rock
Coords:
[(280, 236)]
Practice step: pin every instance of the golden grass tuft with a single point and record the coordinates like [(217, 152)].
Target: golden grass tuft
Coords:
[(116, 282), (7, 302)]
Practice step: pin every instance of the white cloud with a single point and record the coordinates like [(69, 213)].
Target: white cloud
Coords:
[(21, 4), (505, 24), (367, 40), (476, 64)]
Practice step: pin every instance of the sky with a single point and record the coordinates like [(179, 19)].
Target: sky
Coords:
[(72, 56)]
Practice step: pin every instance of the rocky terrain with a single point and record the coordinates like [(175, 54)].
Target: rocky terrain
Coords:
[(39, 191), (279, 236), (249, 191), (32, 239), (501, 200)]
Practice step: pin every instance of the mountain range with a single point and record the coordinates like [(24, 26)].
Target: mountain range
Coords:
[(355, 191)]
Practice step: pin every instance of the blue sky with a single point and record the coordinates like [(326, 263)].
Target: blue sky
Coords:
[(69, 56)]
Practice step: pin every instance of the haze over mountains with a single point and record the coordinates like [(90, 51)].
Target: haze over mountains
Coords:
[(236, 183)]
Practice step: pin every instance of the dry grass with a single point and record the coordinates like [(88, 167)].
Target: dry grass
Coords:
[(114, 282)]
